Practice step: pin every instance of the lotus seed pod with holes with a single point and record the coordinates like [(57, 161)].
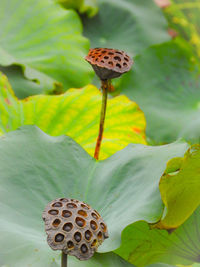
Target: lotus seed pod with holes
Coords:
[(109, 63), (74, 227)]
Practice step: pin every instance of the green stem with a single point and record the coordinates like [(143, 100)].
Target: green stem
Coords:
[(64, 260), (105, 86)]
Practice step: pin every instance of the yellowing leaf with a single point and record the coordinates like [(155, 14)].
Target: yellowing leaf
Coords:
[(75, 113), (179, 187)]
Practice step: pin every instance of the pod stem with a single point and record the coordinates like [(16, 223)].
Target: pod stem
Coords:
[(63, 260), (105, 85)]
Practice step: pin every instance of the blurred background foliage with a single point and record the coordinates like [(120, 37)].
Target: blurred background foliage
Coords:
[(42, 49), (183, 17)]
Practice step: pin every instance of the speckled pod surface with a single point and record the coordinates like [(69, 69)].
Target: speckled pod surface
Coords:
[(74, 227), (109, 63)]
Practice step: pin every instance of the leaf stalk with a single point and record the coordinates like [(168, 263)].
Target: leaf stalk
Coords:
[(105, 85)]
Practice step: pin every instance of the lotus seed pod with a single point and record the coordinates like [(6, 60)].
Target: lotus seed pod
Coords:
[(74, 227), (109, 63)]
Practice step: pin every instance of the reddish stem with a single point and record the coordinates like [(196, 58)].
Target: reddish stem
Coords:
[(105, 86), (63, 260)]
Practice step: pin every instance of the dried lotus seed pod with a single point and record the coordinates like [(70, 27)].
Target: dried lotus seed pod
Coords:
[(109, 63), (74, 227)]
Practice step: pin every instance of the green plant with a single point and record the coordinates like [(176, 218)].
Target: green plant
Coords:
[(46, 167), (145, 187)]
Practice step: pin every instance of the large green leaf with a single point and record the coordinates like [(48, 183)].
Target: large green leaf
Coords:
[(179, 187), (75, 113), (183, 16), (45, 40), (36, 168), (142, 246), (166, 85), (82, 6), (127, 25), (39, 255)]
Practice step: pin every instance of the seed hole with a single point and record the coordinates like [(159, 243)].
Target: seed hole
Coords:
[(67, 227), (93, 225), (80, 222), (117, 58), (103, 52), (102, 61), (84, 249), (117, 52), (84, 206), (126, 59), (106, 57), (70, 244), (97, 213), (66, 213), (100, 235), (96, 59), (57, 204), (110, 63), (83, 213), (53, 212), (88, 235), (110, 53), (64, 199), (93, 56), (118, 65), (77, 236), (94, 215), (71, 205), (124, 64), (74, 200), (103, 227), (59, 237), (94, 243), (56, 222)]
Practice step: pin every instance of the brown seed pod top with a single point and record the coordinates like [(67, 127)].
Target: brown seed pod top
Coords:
[(109, 63), (74, 227)]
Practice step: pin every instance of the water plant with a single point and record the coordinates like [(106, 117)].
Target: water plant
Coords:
[(129, 149)]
